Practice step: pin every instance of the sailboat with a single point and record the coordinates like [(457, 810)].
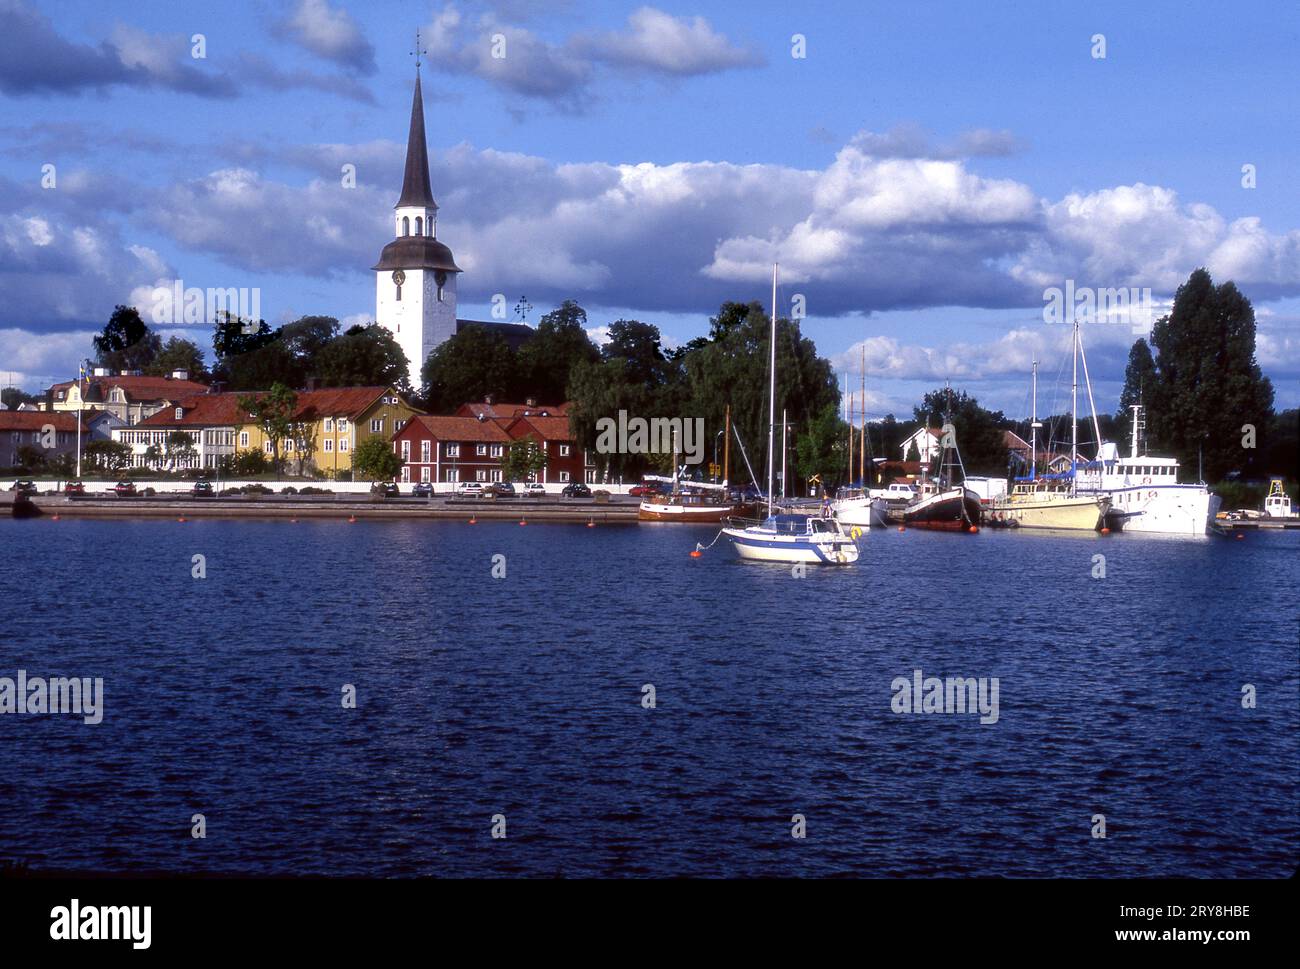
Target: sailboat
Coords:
[(1037, 502), (854, 504), (945, 504), (788, 538), (691, 502)]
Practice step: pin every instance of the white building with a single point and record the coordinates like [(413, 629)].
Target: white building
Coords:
[(924, 443), (415, 278)]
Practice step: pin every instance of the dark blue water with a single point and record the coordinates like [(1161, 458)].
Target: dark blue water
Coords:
[(522, 697)]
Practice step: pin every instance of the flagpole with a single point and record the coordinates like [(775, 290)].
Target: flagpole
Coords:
[(80, 400)]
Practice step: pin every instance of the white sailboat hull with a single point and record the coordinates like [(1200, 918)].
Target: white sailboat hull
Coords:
[(763, 546), (863, 511)]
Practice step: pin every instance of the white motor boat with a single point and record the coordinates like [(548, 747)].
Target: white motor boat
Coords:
[(793, 539), (860, 508)]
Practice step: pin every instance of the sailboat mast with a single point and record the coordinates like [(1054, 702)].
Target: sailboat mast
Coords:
[(1074, 409), (771, 407), (784, 450), (862, 443), (726, 448), (1034, 424), (850, 481)]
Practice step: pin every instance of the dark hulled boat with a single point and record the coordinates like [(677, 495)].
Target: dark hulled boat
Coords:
[(950, 509)]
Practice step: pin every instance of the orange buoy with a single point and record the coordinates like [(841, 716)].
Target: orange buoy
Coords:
[(56, 516), (1105, 531), (901, 528), (973, 530), (1240, 536), (591, 523), (696, 553), (181, 519), (293, 521), (352, 519), (473, 520), (523, 521)]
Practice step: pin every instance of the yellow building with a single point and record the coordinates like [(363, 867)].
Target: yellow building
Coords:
[(331, 423)]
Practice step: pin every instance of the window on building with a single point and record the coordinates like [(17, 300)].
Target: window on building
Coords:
[(406, 450), (288, 445), (243, 438), (329, 445), (406, 226), (424, 451), (377, 426), (591, 476), (180, 412), (424, 473), (480, 475), (496, 474), (565, 450), (480, 449), (453, 474), (329, 425), (268, 448), (498, 450), (406, 474), (419, 226), (564, 476), (453, 450), (343, 444), (343, 425)]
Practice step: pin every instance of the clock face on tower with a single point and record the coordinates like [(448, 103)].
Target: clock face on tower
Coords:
[(399, 277)]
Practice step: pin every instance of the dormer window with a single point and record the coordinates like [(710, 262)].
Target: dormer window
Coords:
[(406, 226), (180, 412)]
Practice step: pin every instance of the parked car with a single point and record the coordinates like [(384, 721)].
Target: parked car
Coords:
[(502, 489), (25, 486), (422, 489), (469, 488), (644, 491), (124, 489), (202, 489), (74, 488), (535, 489), (385, 489), (576, 489)]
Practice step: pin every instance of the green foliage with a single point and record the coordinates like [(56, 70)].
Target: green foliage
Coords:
[(978, 431), (522, 458), (106, 456), (126, 343), (364, 356), (374, 459), (1208, 384), (560, 344), (1139, 377), (178, 449), (12, 398), (273, 413), (473, 364), (179, 354), (31, 458), (245, 464)]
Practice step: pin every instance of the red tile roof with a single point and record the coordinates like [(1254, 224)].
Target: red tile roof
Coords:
[(506, 411), (137, 389), (35, 420), (223, 409), (455, 429), (547, 428)]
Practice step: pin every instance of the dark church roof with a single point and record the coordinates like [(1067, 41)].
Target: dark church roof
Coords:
[(415, 182), (515, 334), (416, 252)]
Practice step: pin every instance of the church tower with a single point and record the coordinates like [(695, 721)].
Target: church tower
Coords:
[(415, 278)]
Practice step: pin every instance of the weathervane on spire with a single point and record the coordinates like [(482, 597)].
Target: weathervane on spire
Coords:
[(419, 51)]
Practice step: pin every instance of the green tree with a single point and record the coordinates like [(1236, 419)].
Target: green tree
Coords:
[(978, 432), (126, 343), (364, 356), (153, 457), (273, 413), (560, 343), (473, 364), (31, 458), (1208, 385), (178, 449), (12, 398), (1139, 376), (374, 459), (306, 337), (109, 456), (179, 354), (523, 458)]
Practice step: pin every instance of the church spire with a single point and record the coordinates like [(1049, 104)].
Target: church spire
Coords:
[(415, 182)]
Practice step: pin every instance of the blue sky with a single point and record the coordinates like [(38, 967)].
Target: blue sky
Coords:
[(923, 173)]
